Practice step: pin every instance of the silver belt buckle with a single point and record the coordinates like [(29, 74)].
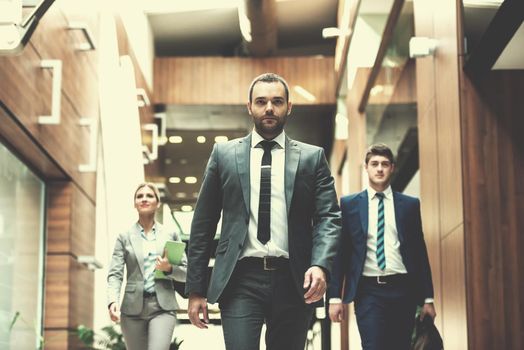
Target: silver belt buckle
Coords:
[(266, 266), (379, 281)]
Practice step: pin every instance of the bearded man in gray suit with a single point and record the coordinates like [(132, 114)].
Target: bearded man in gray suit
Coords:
[(280, 229)]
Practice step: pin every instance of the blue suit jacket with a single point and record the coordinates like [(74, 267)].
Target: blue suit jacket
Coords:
[(351, 255)]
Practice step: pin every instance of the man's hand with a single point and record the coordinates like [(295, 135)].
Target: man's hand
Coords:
[(428, 310), (114, 312), (337, 312), (315, 283), (197, 303)]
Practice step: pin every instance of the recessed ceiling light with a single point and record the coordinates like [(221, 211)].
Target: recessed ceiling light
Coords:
[(195, 194), (180, 195), (176, 139), (304, 93), (174, 180), (186, 208), (201, 139), (168, 161), (220, 139), (183, 161), (190, 180)]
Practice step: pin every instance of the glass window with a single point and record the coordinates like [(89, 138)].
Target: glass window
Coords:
[(21, 253)]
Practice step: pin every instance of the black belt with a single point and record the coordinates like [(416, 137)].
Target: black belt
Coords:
[(149, 294), (389, 279), (267, 263)]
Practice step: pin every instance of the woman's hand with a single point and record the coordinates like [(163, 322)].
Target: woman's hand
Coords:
[(163, 264), (114, 312)]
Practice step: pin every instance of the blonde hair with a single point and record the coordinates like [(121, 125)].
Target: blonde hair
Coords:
[(150, 185)]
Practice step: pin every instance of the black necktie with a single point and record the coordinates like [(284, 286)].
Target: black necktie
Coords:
[(264, 203)]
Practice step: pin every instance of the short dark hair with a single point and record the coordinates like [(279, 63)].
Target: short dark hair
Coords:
[(268, 78), (380, 149)]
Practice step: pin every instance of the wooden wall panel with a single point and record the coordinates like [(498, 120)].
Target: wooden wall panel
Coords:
[(68, 285), (27, 95), (492, 110), (70, 220), (454, 296), (440, 159), (220, 80), (430, 203), (57, 289), (59, 204)]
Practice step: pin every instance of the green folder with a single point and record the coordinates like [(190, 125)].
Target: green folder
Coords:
[(174, 252)]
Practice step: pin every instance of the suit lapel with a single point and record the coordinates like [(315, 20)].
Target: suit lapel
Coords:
[(398, 204), (136, 243), (243, 155), (291, 161), (161, 239), (363, 207)]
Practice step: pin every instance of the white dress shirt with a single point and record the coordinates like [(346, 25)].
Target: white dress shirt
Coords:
[(394, 264), (278, 244)]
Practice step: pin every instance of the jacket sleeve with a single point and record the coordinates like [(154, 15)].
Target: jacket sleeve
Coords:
[(116, 271), (342, 259), (326, 218), (425, 278), (203, 227)]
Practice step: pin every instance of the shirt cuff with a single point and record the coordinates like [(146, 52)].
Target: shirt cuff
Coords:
[(335, 301), (429, 301)]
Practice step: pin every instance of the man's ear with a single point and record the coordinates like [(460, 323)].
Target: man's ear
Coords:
[(289, 105), (248, 105)]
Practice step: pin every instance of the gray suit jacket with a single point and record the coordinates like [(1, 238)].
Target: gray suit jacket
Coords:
[(312, 210), (128, 253)]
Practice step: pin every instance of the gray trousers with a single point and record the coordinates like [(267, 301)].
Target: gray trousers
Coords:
[(151, 330), (254, 297)]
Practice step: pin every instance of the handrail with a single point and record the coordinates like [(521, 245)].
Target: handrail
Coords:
[(23, 31)]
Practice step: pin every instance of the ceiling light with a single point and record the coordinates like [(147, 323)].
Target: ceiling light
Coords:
[(168, 161), (183, 161), (170, 6), (190, 180), (180, 195), (176, 139), (375, 90), (220, 139), (483, 3), (304, 93), (195, 194), (201, 139), (186, 208), (174, 180), (333, 32)]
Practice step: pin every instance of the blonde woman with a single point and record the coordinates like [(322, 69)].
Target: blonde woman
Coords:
[(147, 313)]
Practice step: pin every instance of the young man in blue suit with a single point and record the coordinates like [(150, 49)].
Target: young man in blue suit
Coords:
[(382, 263)]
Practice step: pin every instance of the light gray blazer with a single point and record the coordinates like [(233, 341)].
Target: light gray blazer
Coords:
[(128, 252)]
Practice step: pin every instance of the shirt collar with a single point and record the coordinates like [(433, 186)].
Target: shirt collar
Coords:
[(256, 138), (388, 193), (151, 237)]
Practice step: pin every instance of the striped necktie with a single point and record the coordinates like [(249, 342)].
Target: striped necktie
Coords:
[(381, 256), (264, 203)]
